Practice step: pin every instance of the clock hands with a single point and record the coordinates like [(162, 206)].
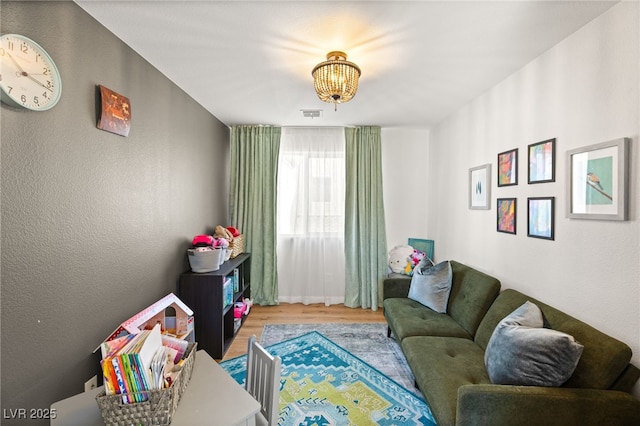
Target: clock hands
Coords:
[(22, 71), (40, 83), (26, 74)]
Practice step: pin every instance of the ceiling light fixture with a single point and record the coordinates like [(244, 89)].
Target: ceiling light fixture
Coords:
[(336, 79)]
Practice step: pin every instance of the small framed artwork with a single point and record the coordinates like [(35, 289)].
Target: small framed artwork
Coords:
[(508, 168), (480, 187), (115, 112), (542, 161), (506, 215), (597, 185), (540, 217)]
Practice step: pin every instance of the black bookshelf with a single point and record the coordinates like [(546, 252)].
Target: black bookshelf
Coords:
[(215, 325)]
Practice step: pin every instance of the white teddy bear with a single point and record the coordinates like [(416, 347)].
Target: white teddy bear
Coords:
[(399, 257)]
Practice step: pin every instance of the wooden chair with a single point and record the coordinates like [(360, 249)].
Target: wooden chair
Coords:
[(263, 381)]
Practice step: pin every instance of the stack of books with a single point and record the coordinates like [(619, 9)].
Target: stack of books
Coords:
[(136, 363)]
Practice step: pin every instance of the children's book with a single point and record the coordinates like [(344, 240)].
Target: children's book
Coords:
[(127, 364)]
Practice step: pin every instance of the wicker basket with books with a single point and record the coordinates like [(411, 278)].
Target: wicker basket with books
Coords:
[(151, 407)]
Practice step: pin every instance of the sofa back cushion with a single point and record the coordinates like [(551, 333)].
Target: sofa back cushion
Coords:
[(472, 293), (603, 357)]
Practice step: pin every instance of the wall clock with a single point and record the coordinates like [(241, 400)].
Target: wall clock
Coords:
[(28, 76)]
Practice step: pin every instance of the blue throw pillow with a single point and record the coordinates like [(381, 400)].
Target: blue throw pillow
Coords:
[(522, 352), (431, 284)]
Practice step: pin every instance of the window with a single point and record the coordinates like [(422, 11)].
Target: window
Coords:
[(311, 194)]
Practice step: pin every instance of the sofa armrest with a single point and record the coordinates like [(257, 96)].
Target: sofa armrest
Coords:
[(395, 286), (498, 405), (627, 380)]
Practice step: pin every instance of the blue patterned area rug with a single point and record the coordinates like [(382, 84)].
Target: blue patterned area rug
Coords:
[(367, 341), (323, 384)]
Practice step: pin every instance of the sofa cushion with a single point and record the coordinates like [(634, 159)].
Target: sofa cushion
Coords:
[(407, 317), (431, 284), (603, 358), (440, 366), (472, 293), (522, 352)]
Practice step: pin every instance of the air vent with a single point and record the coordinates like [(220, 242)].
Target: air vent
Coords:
[(311, 113)]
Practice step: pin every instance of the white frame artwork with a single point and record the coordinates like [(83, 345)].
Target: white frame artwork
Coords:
[(480, 187), (597, 181)]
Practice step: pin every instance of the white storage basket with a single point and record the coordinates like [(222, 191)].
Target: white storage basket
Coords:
[(205, 261)]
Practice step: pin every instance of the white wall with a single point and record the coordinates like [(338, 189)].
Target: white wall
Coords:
[(583, 91), (404, 164)]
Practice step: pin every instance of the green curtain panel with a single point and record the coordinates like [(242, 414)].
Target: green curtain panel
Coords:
[(252, 203), (365, 236)]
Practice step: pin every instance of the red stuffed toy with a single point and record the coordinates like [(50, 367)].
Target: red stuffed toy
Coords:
[(202, 241)]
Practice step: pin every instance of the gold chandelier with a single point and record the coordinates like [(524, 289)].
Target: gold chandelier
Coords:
[(336, 79)]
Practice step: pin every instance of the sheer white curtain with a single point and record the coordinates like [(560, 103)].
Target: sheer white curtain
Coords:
[(311, 193)]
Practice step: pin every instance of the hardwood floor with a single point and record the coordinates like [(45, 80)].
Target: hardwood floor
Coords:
[(296, 313)]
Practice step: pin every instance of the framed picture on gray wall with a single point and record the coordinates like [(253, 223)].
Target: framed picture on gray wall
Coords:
[(115, 112), (480, 187)]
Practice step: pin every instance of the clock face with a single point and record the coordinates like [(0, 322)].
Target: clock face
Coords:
[(28, 76)]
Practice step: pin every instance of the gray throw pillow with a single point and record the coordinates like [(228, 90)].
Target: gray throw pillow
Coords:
[(424, 264), (431, 284), (522, 352)]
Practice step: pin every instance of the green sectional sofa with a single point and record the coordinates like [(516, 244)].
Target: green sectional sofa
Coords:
[(446, 355)]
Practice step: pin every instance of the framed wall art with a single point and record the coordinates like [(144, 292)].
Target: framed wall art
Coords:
[(508, 168), (480, 187), (506, 220), (597, 185), (540, 217), (115, 112), (542, 161)]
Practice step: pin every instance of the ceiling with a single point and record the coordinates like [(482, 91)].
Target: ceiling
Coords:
[(250, 62)]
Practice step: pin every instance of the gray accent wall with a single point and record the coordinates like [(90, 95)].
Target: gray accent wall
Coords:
[(94, 226)]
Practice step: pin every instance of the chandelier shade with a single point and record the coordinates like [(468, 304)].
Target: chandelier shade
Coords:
[(336, 79)]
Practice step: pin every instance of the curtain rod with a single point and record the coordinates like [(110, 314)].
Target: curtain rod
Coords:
[(297, 127)]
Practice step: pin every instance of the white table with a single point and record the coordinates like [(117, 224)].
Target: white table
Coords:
[(211, 397)]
